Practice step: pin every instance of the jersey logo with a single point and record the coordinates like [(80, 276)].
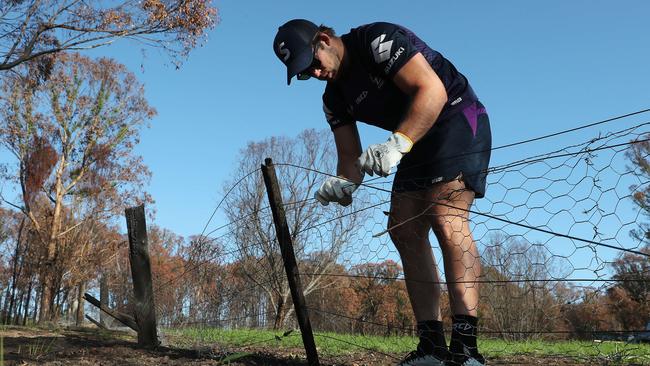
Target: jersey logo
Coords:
[(379, 82), (381, 49), (284, 52)]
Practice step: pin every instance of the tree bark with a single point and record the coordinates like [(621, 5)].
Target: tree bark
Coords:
[(19, 308), (29, 296), (36, 308), (103, 299), (11, 296), (279, 314), (46, 294), (80, 304)]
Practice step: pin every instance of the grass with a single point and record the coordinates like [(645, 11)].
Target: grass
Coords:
[(38, 349), (332, 344)]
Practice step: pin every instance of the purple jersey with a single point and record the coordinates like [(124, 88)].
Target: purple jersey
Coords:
[(367, 93)]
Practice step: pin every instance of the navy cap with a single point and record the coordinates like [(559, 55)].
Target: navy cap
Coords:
[(292, 45)]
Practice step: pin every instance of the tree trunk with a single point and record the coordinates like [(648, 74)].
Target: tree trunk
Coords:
[(57, 303), (11, 296), (46, 295), (36, 308), (80, 304), (29, 296), (48, 288), (19, 308), (5, 307), (103, 299), (279, 314)]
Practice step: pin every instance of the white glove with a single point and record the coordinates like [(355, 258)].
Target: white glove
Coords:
[(381, 158), (336, 189)]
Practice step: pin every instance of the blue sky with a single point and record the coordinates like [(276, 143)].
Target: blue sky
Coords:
[(539, 67)]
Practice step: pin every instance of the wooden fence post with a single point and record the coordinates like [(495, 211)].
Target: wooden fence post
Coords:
[(125, 319), (289, 258), (145, 310)]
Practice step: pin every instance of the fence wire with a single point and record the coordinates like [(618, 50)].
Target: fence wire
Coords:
[(556, 251)]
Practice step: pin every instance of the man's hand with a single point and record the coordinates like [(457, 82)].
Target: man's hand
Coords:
[(336, 189), (381, 158)]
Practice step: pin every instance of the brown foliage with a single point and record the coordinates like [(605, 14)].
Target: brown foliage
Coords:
[(73, 137), (527, 306), (632, 271), (41, 28), (39, 162), (628, 313), (590, 314), (638, 157)]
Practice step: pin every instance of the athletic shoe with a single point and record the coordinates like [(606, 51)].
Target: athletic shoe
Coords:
[(470, 361), (418, 358), (466, 359)]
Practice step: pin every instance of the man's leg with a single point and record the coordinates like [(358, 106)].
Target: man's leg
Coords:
[(409, 230), (450, 222)]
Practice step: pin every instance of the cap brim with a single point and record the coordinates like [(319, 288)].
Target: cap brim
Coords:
[(299, 63)]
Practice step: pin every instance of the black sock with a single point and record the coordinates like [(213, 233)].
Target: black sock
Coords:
[(432, 338), (463, 336)]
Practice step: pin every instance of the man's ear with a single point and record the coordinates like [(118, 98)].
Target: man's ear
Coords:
[(324, 37)]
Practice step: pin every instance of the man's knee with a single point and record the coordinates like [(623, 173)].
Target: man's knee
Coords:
[(408, 234), (449, 227)]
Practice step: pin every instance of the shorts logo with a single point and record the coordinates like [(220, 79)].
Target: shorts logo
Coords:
[(284, 52), (381, 49)]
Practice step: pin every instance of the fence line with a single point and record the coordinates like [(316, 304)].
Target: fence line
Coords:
[(582, 152), (476, 281)]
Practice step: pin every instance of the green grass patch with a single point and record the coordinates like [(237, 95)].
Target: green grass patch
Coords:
[(611, 351), (333, 344)]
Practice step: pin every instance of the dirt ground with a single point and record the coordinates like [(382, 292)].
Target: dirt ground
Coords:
[(88, 346)]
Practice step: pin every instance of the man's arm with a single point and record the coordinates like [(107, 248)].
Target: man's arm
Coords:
[(348, 148), (428, 96)]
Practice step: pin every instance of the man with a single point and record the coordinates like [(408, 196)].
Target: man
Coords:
[(384, 75)]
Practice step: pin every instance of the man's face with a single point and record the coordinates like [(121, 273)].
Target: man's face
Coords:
[(326, 65)]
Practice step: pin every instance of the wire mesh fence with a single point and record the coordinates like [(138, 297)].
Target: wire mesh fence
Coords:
[(554, 258)]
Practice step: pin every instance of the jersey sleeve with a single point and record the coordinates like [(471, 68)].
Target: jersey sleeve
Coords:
[(386, 47), (336, 110)]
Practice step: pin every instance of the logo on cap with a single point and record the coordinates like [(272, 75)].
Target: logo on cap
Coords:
[(284, 52)]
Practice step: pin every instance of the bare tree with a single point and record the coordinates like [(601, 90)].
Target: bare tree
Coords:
[(314, 229), (527, 304)]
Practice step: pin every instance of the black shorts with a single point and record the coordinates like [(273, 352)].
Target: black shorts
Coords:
[(459, 145)]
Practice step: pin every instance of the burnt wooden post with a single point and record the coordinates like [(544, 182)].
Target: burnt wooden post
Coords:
[(98, 324), (289, 259), (145, 311), (103, 298), (125, 319)]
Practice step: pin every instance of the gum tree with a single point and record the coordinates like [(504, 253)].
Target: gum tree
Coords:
[(72, 137)]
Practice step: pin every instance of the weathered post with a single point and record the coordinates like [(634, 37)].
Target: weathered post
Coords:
[(289, 258), (145, 311), (125, 319)]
